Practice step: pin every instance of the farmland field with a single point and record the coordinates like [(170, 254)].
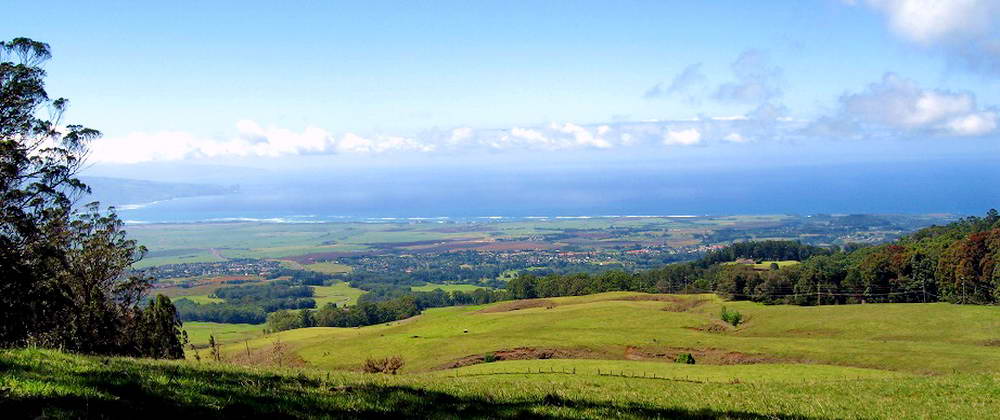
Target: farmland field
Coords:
[(328, 268), (340, 293), (213, 242)]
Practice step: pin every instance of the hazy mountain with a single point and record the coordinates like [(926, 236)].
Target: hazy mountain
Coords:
[(123, 192)]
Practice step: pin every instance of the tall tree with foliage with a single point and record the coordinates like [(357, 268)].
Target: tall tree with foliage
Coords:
[(63, 269)]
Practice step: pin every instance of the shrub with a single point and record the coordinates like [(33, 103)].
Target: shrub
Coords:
[(490, 358), (734, 318), (685, 358), (389, 365)]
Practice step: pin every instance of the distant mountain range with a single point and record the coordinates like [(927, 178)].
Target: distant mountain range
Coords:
[(124, 192)]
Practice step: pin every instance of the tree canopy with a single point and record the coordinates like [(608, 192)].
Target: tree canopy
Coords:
[(63, 267)]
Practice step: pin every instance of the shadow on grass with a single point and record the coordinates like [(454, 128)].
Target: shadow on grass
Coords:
[(130, 389)]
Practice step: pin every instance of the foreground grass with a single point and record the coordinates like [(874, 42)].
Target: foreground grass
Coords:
[(37, 383)]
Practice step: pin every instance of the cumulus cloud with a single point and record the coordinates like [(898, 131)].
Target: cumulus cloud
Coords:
[(554, 136), (251, 140), (899, 105), (735, 138), (966, 30), (893, 107), (682, 84), (757, 80), (460, 134), (254, 140), (686, 137)]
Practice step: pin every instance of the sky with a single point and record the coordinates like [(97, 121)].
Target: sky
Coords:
[(331, 86)]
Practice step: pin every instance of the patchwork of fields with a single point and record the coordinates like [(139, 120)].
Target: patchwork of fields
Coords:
[(310, 242)]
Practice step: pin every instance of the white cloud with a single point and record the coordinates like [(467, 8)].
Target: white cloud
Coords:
[(460, 134), (929, 21), (757, 80), (251, 140), (898, 103), (584, 137), (976, 124), (682, 84), (685, 137), (735, 137), (965, 30), (353, 143)]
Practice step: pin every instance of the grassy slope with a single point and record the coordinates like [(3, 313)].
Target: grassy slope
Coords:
[(914, 338), (199, 332), (340, 293), (37, 383)]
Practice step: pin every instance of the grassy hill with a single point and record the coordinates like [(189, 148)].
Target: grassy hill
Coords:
[(598, 356), (934, 338), (40, 383)]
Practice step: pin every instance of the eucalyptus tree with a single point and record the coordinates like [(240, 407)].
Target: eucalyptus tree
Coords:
[(64, 268)]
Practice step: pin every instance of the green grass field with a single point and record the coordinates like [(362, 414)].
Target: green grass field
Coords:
[(597, 356), (45, 384), (340, 293), (430, 287), (933, 338), (328, 268), (198, 332)]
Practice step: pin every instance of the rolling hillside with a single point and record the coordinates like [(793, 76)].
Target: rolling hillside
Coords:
[(598, 356), (629, 328)]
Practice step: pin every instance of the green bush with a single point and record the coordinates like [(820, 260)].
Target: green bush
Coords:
[(734, 318), (685, 358), (490, 358)]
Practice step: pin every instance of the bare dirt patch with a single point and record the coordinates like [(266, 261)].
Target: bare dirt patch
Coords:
[(524, 353), (520, 304), (676, 303), (992, 343), (653, 298), (708, 356), (684, 305)]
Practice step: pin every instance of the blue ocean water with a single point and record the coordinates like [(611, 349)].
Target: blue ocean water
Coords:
[(918, 187)]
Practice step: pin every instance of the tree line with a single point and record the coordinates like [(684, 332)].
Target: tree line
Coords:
[(64, 279), (371, 311), (249, 304)]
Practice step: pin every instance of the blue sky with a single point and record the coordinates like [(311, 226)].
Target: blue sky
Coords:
[(287, 84)]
